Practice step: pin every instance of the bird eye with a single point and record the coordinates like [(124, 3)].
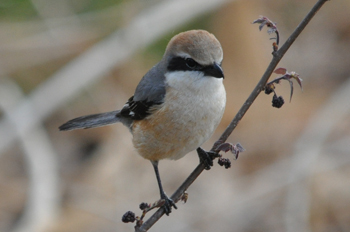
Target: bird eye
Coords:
[(191, 63)]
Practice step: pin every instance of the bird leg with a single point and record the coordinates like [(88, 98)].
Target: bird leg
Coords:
[(168, 201), (206, 157)]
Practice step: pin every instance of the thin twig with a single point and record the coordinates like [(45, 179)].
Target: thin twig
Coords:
[(277, 56)]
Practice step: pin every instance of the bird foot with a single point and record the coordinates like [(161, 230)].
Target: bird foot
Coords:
[(168, 203), (206, 157)]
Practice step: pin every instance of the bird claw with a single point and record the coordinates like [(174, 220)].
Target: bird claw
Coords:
[(206, 157), (168, 203)]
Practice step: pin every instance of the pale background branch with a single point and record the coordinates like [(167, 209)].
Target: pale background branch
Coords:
[(63, 59)]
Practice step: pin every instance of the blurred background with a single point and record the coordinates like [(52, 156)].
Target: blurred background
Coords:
[(64, 59)]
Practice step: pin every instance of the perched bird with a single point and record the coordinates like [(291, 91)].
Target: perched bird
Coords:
[(176, 106)]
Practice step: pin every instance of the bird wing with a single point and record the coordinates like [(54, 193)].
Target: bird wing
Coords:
[(148, 96)]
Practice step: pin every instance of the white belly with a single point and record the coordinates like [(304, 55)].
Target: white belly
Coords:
[(187, 119)]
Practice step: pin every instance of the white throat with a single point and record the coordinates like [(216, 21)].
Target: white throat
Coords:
[(194, 82)]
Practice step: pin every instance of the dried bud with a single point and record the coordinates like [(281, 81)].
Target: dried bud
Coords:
[(272, 28), (288, 76), (128, 217), (184, 197), (269, 89), (144, 206), (277, 101), (235, 149), (274, 46), (224, 162)]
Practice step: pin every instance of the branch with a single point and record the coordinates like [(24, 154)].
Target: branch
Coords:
[(277, 56), (43, 196)]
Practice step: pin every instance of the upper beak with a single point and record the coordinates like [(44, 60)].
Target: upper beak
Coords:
[(214, 70)]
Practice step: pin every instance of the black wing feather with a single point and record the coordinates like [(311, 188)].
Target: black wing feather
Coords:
[(138, 110)]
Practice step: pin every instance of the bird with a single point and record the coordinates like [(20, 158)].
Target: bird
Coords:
[(176, 106)]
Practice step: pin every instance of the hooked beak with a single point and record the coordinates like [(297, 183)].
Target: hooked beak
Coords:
[(214, 70)]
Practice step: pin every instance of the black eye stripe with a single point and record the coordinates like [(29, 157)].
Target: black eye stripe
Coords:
[(183, 64), (188, 64)]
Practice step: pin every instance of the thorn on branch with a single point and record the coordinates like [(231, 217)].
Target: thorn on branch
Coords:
[(272, 28)]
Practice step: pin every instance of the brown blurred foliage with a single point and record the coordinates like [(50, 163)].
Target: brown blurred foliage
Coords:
[(101, 176)]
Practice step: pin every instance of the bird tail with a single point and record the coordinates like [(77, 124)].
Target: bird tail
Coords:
[(90, 121)]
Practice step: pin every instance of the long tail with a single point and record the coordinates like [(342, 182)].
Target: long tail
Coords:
[(90, 121)]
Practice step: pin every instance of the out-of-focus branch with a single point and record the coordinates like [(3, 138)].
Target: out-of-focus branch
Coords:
[(42, 41), (277, 56), (43, 201), (307, 150), (150, 24)]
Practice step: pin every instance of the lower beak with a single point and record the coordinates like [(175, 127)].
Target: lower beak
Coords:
[(214, 71)]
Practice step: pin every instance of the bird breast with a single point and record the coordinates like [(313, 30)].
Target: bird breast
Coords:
[(192, 109)]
